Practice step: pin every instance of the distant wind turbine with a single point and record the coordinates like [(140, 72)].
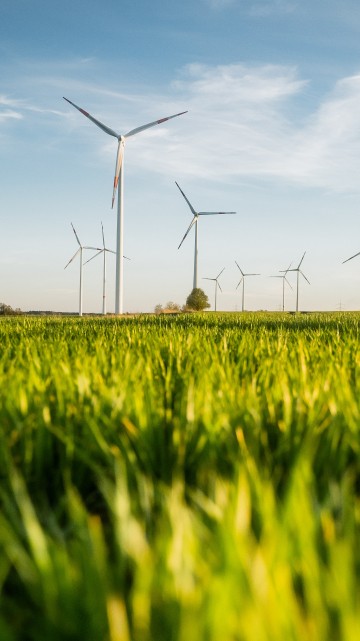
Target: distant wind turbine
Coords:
[(80, 251), (217, 284), (283, 285), (103, 251), (298, 271), (351, 257), (242, 280), (118, 182), (194, 221)]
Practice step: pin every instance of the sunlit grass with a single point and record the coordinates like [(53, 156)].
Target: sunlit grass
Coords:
[(179, 479)]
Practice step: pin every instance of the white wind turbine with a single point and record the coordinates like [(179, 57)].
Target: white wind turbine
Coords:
[(298, 271), (194, 221), (80, 251), (217, 284), (283, 285), (118, 184), (351, 257), (242, 280), (103, 251)]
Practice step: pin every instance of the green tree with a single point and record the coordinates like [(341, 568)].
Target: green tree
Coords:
[(197, 300), (158, 309), (6, 310)]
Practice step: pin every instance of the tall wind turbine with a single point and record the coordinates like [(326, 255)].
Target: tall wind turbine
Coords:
[(217, 284), (194, 221), (118, 185), (80, 251), (283, 285), (298, 271), (242, 280), (103, 251)]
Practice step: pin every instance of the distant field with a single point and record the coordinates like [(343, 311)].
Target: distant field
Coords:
[(180, 478)]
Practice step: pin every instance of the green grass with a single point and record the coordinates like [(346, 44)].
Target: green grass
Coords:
[(188, 478)]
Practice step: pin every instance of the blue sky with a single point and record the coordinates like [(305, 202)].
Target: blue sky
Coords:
[(272, 89)]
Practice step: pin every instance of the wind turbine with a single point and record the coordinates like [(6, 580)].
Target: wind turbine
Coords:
[(298, 271), (283, 285), (80, 251), (242, 280), (118, 184), (217, 284), (351, 257), (103, 251), (194, 221)]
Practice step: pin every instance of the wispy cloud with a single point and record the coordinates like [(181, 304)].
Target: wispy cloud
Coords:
[(220, 4), (241, 124), (264, 8), (255, 8), (8, 109), (9, 114)]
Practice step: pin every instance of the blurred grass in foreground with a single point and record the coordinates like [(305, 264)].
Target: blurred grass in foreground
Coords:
[(193, 478)]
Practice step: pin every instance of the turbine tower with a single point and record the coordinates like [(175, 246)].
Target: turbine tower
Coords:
[(118, 185), (242, 280), (283, 285), (103, 251), (217, 284), (194, 221), (80, 251), (298, 271)]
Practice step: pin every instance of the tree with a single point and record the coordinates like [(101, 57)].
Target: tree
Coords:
[(158, 309), (169, 308), (6, 310), (197, 300), (172, 307)]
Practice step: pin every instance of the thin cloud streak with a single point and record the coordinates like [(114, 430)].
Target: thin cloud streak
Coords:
[(255, 8), (10, 115)]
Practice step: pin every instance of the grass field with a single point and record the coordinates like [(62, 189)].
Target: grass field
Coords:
[(188, 478)]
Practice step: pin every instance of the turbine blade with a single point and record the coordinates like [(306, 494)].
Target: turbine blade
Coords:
[(220, 273), (96, 249), (240, 281), (188, 201), (205, 278), (107, 130), (301, 260), (351, 257), (71, 259), (119, 159), (287, 281), (103, 237), (252, 274), (219, 286), (242, 273), (302, 274), (94, 256), (187, 231), (152, 124), (215, 213), (123, 256), (76, 236), (111, 251)]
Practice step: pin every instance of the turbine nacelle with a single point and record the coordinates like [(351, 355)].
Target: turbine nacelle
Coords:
[(121, 137)]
